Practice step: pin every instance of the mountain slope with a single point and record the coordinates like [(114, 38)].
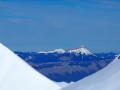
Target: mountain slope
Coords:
[(15, 74), (105, 79)]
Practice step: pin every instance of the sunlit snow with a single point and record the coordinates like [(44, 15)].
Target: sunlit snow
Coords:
[(15, 74), (105, 79)]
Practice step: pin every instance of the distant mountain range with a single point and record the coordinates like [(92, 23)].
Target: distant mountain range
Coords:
[(81, 50), (67, 65)]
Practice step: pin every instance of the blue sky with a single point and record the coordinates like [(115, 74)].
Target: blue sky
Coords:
[(35, 25)]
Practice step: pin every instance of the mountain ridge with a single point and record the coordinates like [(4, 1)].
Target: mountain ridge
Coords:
[(82, 50), (66, 67), (105, 79)]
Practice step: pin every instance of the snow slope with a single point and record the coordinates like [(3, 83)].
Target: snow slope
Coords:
[(15, 74), (105, 79), (63, 84)]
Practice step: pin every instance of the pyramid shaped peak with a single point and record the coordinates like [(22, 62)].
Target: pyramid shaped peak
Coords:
[(81, 50)]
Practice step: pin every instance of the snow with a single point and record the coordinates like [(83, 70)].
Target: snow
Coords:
[(105, 79), (81, 50), (43, 52), (77, 51), (63, 84), (59, 51), (15, 74)]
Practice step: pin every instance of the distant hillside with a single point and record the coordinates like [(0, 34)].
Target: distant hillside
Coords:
[(66, 66)]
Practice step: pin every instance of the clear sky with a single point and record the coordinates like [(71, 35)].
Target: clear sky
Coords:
[(35, 25)]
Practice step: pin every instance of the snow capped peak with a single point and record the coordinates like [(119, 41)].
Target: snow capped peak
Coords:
[(43, 52), (81, 50), (59, 51)]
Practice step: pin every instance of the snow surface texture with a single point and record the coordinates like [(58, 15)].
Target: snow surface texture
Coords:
[(105, 79), (63, 84), (15, 74)]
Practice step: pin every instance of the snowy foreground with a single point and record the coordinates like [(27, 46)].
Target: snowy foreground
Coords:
[(63, 84), (105, 79), (15, 74)]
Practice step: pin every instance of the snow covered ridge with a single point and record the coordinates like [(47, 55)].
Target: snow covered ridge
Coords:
[(81, 50), (60, 51), (63, 84), (105, 79), (15, 74)]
